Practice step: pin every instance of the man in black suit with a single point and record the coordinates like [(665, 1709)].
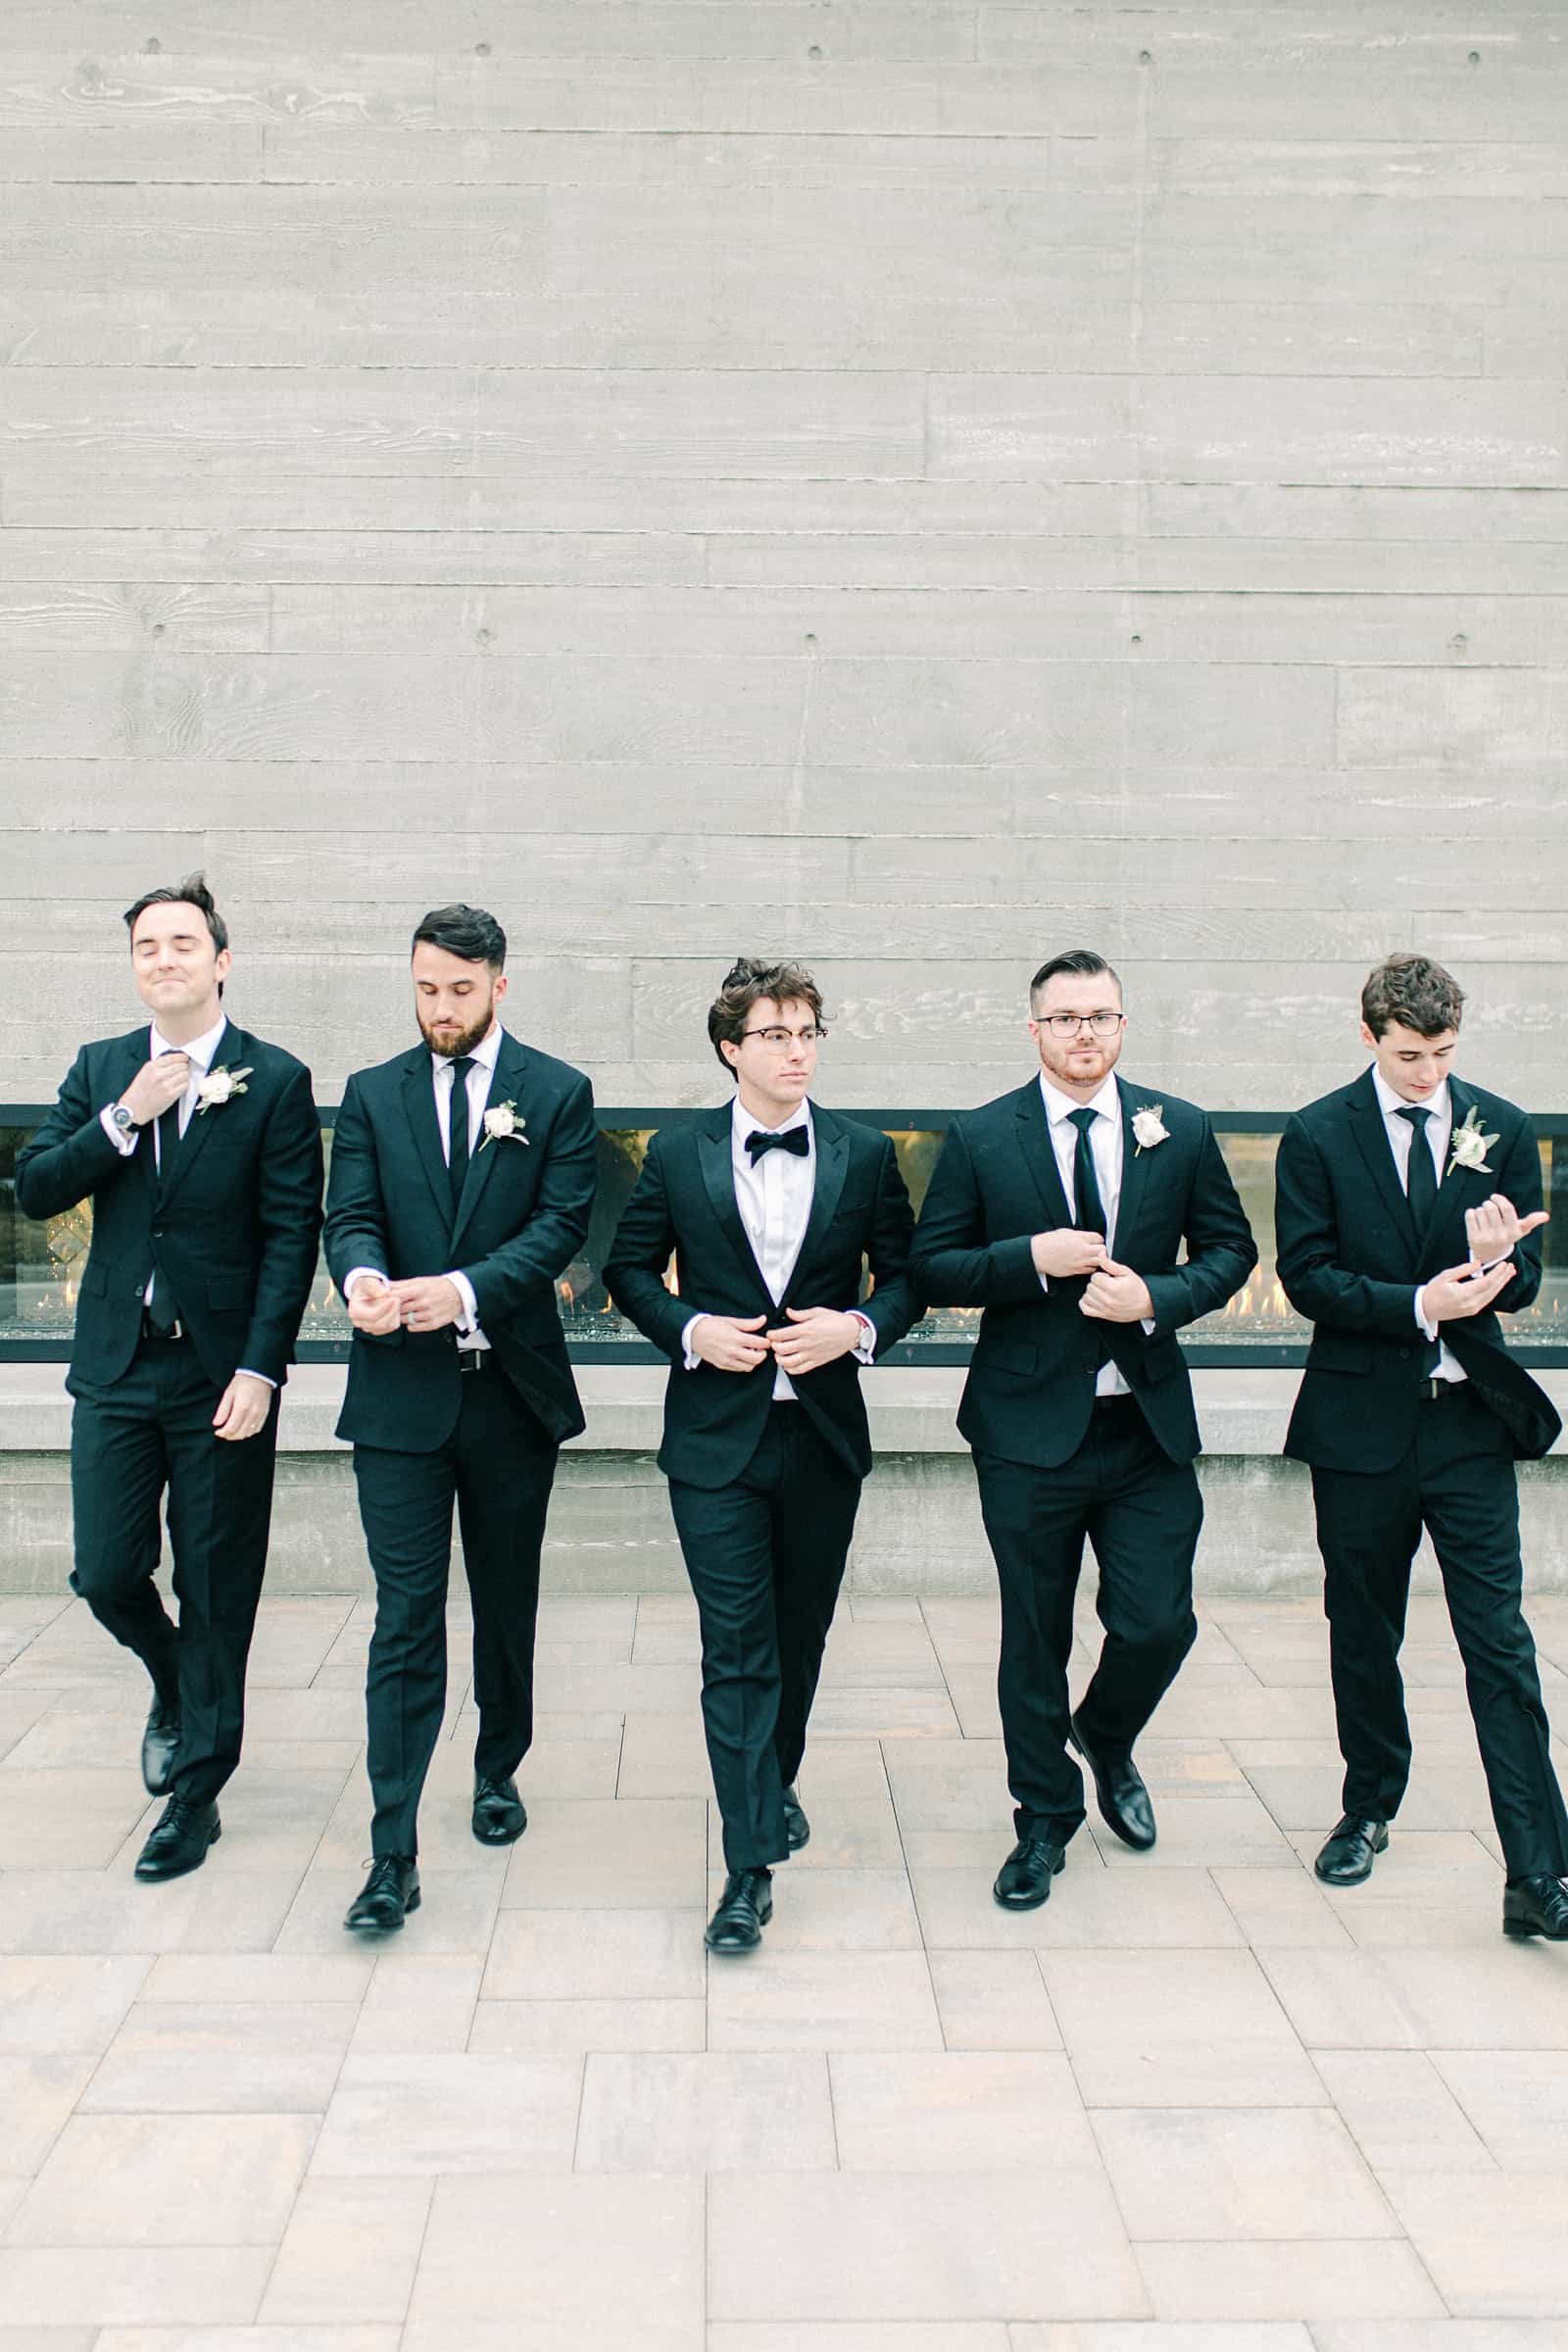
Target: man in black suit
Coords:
[(199, 1148), (1063, 1211), (1408, 1209), (769, 1204), (462, 1178)]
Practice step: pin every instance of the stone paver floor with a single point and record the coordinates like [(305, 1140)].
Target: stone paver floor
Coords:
[(1196, 2104)]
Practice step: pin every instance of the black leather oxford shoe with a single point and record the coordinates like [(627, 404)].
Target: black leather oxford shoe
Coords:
[(498, 1812), (796, 1828), (388, 1896), (744, 1910), (1023, 1883), (160, 1746), (179, 1842), (1536, 1907), (1119, 1790), (1349, 1851)]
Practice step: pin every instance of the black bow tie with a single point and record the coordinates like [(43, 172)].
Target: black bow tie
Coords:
[(794, 1138)]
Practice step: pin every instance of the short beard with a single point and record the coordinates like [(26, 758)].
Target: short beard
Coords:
[(449, 1048)]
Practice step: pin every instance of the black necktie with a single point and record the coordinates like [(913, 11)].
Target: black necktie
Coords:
[(1091, 1216), (794, 1138), (457, 1128), (1421, 1178)]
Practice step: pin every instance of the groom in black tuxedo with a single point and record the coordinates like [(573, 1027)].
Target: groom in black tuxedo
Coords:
[(462, 1178), (1063, 1211), (768, 1205), (199, 1148), (1409, 1209)]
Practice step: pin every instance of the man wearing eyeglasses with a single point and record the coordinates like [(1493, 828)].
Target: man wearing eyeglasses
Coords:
[(1063, 1211), (769, 1205)]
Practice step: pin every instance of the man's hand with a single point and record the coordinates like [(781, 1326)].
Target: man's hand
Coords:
[(730, 1342), (427, 1301), (1493, 1229), (1066, 1252), (243, 1407), (1116, 1294), (374, 1307), (155, 1085), (821, 1335), (1462, 1290)]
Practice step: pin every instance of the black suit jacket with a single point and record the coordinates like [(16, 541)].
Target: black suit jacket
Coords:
[(1031, 1386), (684, 1202), (1350, 1257), (229, 1227), (522, 1218)]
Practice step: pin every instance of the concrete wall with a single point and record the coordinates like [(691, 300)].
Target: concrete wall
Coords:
[(915, 481)]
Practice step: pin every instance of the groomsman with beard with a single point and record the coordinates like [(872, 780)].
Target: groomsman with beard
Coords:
[(1063, 1211), (769, 1204), (462, 1179), (199, 1146), (1407, 1213)]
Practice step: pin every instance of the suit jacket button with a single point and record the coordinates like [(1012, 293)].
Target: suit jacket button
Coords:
[(1405, 1354), (158, 1232)]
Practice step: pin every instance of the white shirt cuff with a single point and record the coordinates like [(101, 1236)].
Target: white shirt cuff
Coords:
[(1044, 1283), (124, 1145), (250, 1375), (866, 1354), (1429, 1327), (360, 1274), (468, 1320), (692, 1361)]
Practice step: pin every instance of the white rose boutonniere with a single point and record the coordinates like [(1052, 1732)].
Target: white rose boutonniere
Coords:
[(1148, 1127), (218, 1085), (1469, 1146), (503, 1125)]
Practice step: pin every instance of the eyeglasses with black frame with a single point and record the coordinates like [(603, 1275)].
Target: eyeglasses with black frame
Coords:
[(1068, 1024), (779, 1039)]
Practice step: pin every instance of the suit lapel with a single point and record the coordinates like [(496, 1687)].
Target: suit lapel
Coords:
[(1135, 1165), (229, 1054), (506, 1084), (831, 1140), (1365, 1114), (418, 1100), (1033, 1141), (718, 1173)]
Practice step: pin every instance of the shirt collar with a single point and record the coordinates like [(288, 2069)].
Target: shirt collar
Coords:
[(1060, 1107), (742, 1123), (484, 1052), (1390, 1103), (200, 1050)]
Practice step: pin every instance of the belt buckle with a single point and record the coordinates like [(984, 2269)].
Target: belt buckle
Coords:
[(470, 1359)]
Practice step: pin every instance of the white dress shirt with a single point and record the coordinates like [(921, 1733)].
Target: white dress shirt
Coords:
[(201, 1054), (479, 1080), (775, 1194), (1437, 1133), (1106, 1143)]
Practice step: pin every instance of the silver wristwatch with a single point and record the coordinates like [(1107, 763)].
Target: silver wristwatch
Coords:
[(121, 1118)]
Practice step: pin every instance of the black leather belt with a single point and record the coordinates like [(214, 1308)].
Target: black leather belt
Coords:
[(1434, 1390), (1113, 1405), (472, 1359), (162, 1330)]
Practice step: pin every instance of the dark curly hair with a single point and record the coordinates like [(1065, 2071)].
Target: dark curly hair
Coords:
[(1414, 992), (747, 982)]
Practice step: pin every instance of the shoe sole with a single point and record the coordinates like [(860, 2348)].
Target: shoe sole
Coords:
[(158, 1878), (383, 1927), (1523, 1930), (498, 1837)]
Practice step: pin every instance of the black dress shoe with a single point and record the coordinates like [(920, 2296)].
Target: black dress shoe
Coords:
[(796, 1829), (160, 1746), (744, 1910), (1349, 1850), (388, 1896), (1536, 1907), (179, 1842), (1120, 1788), (1023, 1883), (498, 1812)]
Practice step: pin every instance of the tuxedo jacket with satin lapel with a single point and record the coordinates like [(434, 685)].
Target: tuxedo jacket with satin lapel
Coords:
[(1350, 1258), (522, 1218), (229, 1226), (1031, 1387), (684, 1202)]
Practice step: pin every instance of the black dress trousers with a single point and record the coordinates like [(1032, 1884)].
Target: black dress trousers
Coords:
[(1142, 1512), (766, 1556), (497, 1466), (1458, 1480), (130, 1440)]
